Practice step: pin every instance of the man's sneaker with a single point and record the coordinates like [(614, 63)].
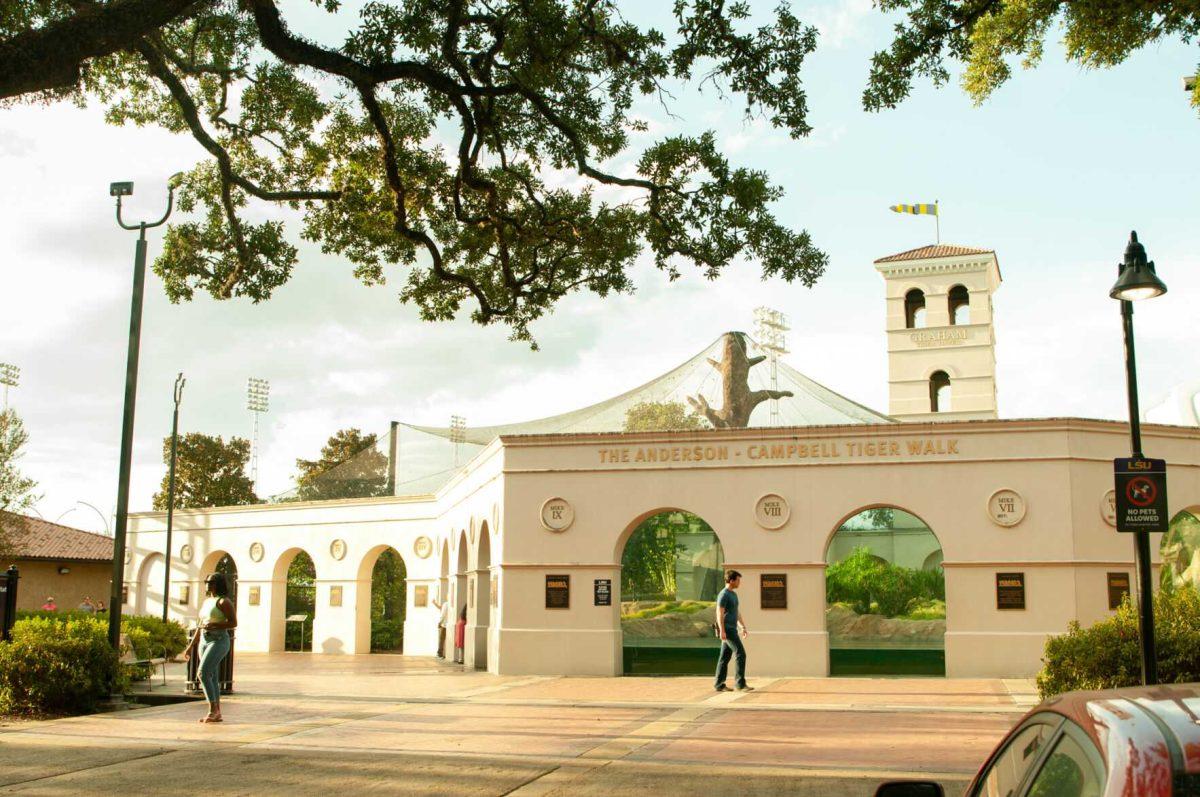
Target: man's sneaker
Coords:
[(723, 688), (745, 688)]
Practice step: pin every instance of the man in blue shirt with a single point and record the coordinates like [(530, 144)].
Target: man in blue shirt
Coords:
[(728, 620)]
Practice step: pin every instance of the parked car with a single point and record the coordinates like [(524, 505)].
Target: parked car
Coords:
[(1134, 742)]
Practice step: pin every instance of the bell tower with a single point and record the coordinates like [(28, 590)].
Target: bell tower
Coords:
[(941, 342)]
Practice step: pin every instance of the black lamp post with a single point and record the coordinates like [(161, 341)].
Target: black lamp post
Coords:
[(179, 383), (120, 190), (1137, 280)]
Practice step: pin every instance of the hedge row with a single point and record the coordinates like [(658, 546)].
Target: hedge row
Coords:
[(1108, 654), (61, 662)]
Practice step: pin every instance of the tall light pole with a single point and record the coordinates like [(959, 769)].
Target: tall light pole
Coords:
[(769, 328), (258, 399), (10, 376), (179, 383), (458, 434), (120, 190), (1137, 280)]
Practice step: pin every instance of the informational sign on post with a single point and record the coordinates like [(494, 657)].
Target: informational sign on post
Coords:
[(602, 592), (1141, 487)]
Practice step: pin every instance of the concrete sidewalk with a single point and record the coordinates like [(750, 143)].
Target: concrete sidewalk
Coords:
[(399, 725)]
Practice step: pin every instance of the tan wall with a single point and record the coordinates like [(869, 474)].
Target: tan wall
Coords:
[(40, 579)]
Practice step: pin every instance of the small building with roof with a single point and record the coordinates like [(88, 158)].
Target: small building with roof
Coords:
[(57, 561)]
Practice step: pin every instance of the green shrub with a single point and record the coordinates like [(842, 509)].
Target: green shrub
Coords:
[(387, 634), (1108, 654), (669, 607), (57, 667), (870, 585), (169, 638), (925, 609)]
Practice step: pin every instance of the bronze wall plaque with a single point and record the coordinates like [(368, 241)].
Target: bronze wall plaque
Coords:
[(255, 596), (335, 596), (602, 592), (1118, 589), (773, 591), (420, 596), (185, 594), (1010, 590), (558, 592)]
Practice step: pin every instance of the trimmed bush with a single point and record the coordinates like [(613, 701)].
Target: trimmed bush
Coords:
[(169, 638), (387, 635), (57, 667), (1108, 654)]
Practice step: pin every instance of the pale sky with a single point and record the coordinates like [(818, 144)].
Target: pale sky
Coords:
[(1052, 173)]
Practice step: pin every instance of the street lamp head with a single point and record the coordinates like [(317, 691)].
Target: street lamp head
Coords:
[(120, 189), (1137, 278)]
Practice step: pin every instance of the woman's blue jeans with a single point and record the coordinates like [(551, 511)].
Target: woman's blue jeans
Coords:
[(214, 647)]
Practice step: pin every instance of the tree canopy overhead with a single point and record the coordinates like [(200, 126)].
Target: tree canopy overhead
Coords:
[(519, 90), (208, 472), (987, 35)]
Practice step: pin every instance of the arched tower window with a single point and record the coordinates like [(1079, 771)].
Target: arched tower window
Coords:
[(939, 392), (914, 309), (960, 305)]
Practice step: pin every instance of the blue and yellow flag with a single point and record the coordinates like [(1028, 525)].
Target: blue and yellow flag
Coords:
[(917, 210)]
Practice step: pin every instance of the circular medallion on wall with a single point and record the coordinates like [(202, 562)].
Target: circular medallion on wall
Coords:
[(337, 549), (557, 515), (423, 547), (256, 551), (1108, 508), (1006, 507), (772, 511), (185, 554)]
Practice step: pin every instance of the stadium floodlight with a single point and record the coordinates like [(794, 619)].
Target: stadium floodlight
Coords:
[(258, 400), (769, 328), (458, 434), (10, 376)]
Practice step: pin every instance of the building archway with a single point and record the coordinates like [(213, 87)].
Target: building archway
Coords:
[(1180, 550), (885, 595), (461, 578), (672, 565), (150, 585), (294, 577), (382, 599), (479, 601), (220, 562)]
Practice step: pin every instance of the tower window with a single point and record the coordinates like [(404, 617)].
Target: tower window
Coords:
[(960, 305), (914, 309), (939, 392)]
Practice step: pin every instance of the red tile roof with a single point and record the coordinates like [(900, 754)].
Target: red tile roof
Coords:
[(932, 251), (41, 539)]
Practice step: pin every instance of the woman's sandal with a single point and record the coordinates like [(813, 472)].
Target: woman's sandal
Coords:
[(211, 718)]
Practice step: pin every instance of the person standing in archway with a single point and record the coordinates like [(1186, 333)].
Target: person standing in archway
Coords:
[(460, 637), (217, 618), (728, 621)]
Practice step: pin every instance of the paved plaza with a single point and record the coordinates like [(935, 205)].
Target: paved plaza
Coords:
[(405, 725)]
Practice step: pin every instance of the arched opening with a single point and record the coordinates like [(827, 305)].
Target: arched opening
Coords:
[(444, 606), (150, 585), (960, 305), (221, 562), (298, 574), (482, 595), (939, 392), (885, 596), (671, 572), (1181, 551), (914, 309), (457, 641), (382, 589)]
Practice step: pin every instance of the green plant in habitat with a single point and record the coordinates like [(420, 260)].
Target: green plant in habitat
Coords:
[(388, 601), (648, 562), (668, 607), (1107, 654), (870, 585), (301, 599), (60, 667)]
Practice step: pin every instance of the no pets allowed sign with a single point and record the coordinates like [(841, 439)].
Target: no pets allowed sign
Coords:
[(1141, 486)]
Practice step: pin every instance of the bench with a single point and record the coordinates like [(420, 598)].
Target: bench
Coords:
[(130, 659)]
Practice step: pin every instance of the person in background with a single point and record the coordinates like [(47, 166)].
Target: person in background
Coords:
[(729, 618), (100, 607), (49, 605), (460, 636), (211, 639), (443, 621), (87, 605)]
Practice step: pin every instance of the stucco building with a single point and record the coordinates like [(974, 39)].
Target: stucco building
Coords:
[(61, 562), (530, 536)]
